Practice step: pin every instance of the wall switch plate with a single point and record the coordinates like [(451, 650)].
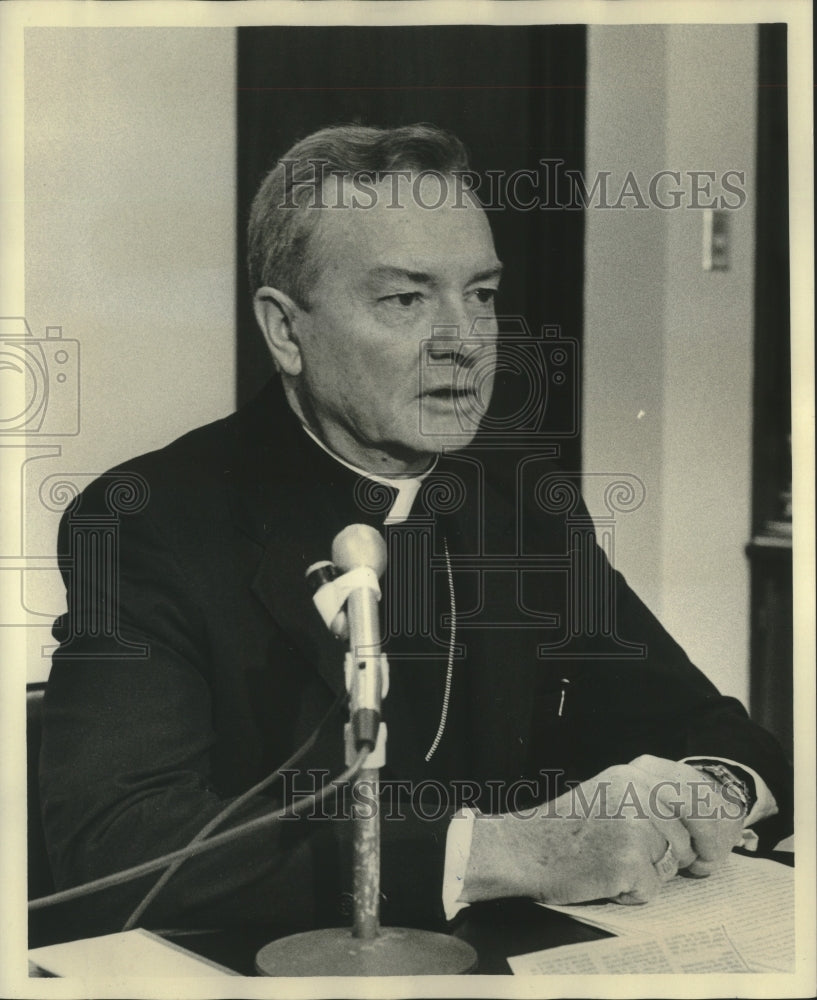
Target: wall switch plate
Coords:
[(715, 240)]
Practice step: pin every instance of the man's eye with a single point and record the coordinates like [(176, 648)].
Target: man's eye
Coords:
[(485, 295), (404, 299)]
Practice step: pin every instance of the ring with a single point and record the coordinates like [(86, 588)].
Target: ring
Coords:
[(667, 867)]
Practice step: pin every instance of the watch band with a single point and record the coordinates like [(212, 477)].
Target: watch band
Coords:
[(738, 789)]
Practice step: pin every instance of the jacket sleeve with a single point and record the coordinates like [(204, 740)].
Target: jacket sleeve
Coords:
[(657, 701), (709, 724), (126, 761)]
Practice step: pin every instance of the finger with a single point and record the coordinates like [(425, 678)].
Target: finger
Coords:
[(667, 865), (712, 837), (630, 899), (696, 803), (677, 836), (640, 881), (703, 869), (672, 852), (645, 887), (659, 852), (663, 803)]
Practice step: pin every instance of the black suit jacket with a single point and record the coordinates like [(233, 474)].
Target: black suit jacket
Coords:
[(196, 663)]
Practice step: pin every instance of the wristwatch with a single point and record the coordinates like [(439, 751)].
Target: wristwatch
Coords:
[(735, 789)]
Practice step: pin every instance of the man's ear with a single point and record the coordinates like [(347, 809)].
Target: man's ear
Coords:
[(275, 313)]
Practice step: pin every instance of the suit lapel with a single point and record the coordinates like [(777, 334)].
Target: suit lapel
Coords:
[(291, 498), (280, 586)]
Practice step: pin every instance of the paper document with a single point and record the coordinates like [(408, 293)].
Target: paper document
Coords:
[(751, 898), (708, 950), (133, 953)]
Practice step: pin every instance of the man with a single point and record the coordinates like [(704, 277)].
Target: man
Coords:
[(374, 275)]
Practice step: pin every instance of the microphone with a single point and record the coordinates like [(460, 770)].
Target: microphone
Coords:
[(360, 547), (359, 554)]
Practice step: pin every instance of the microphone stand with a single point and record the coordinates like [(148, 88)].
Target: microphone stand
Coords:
[(367, 949)]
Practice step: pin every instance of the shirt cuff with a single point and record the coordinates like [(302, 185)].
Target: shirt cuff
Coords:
[(764, 805), (457, 852)]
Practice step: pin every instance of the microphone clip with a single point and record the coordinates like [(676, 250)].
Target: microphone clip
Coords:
[(332, 591)]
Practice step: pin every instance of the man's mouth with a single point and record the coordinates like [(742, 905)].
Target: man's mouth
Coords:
[(450, 393)]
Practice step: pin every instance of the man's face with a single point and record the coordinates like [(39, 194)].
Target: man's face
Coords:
[(391, 369)]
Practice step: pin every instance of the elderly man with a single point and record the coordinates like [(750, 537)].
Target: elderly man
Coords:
[(591, 762)]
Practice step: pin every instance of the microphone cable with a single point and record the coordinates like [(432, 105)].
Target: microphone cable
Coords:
[(231, 808), (194, 849)]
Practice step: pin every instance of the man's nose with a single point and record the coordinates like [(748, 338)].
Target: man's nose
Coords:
[(448, 347), (445, 344), (459, 337)]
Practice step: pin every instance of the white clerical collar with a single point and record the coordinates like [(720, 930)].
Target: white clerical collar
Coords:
[(406, 486)]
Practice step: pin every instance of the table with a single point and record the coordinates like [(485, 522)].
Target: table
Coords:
[(496, 930)]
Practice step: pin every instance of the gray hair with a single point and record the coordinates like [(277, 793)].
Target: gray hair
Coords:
[(280, 227)]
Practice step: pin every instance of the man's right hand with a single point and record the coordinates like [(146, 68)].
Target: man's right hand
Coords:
[(600, 840)]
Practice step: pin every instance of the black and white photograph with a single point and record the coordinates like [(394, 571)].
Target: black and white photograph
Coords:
[(407, 533)]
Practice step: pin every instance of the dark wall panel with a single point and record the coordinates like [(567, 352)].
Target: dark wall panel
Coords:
[(514, 95)]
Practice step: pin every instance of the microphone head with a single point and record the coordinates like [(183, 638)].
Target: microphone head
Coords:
[(359, 545)]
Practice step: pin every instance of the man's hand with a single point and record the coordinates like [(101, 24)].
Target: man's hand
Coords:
[(713, 819), (604, 838)]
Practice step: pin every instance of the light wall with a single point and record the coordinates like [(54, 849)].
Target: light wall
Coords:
[(668, 346), (130, 248)]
